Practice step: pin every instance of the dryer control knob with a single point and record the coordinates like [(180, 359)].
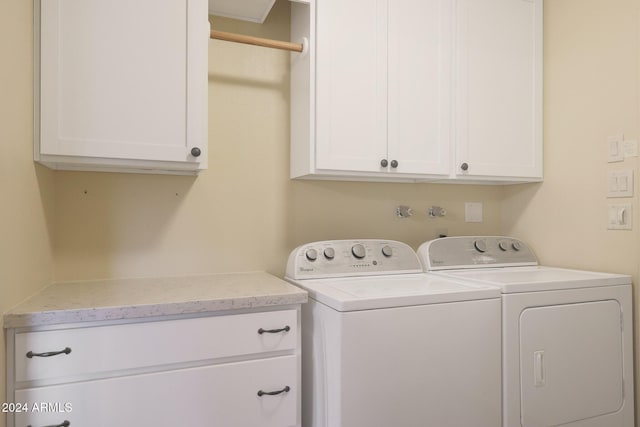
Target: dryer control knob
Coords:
[(503, 246), (329, 253), (516, 246), (311, 254), (387, 251), (480, 245), (358, 251)]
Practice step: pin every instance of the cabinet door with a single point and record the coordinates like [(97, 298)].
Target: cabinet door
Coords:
[(351, 121), (222, 396), (419, 51), (123, 79), (499, 88)]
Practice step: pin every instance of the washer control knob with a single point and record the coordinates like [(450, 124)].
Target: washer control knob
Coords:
[(480, 245), (516, 246), (311, 254), (503, 246), (358, 251), (387, 251), (329, 253)]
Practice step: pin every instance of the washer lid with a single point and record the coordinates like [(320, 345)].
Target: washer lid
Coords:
[(374, 292), (537, 278)]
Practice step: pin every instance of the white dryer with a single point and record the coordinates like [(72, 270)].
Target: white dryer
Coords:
[(567, 345), (384, 344)]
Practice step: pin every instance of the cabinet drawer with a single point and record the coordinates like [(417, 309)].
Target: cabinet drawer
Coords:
[(98, 350), (221, 395)]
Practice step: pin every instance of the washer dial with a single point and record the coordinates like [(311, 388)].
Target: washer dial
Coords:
[(480, 245), (358, 251), (311, 254), (387, 251), (329, 253)]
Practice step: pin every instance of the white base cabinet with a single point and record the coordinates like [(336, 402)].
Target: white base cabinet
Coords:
[(408, 90), (201, 371), (121, 85)]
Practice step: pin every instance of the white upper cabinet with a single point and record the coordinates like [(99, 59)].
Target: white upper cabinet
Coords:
[(408, 90), (121, 85), (350, 86), (419, 85), (498, 110), (379, 76)]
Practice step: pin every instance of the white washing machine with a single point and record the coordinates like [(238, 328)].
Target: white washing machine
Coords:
[(384, 344), (567, 345)]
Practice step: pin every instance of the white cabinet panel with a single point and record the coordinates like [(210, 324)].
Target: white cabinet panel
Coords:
[(103, 349), (419, 69), (499, 88), (114, 91), (351, 85), (222, 395)]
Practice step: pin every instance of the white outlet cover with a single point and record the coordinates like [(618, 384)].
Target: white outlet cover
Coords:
[(473, 212)]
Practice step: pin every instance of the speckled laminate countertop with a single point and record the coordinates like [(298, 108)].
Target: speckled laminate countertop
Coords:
[(100, 300)]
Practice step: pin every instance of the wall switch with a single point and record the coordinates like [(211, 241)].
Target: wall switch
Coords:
[(630, 148), (473, 212), (620, 183), (615, 148), (620, 217)]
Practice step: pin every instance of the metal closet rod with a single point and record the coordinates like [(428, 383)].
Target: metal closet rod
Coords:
[(256, 41)]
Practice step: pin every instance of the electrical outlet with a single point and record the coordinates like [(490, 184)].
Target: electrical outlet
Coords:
[(473, 212), (620, 217)]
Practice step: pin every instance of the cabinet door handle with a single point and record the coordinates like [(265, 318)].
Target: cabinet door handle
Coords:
[(394, 164), (31, 354), (65, 423), (273, 331), (464, 166), (195, 152), (384, 163), (286, 389)]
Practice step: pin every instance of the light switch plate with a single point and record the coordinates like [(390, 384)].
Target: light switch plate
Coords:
[(620, 183), (615, 149), (620, 217)]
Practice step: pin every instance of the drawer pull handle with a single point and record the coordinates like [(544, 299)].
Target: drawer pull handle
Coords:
[(286, 389), (274, 331), (31, 354), (65, 423)]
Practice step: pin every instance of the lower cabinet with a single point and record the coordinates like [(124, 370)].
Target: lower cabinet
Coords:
[(225, 370), (220, 395)]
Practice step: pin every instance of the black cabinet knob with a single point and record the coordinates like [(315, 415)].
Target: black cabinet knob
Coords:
[(464, 166), (384, 163), (195, 152), (394, 164)]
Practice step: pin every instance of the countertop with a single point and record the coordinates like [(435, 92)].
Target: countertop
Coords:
[(100, 300)]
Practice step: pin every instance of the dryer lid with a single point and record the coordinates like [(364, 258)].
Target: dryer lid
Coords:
[(538, 278)]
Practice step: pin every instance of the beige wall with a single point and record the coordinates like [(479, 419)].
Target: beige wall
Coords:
[(26, 191), (245, 214), (590, 92)]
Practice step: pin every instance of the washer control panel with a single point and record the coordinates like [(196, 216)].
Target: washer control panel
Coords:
[(475, 252), (344, 258)]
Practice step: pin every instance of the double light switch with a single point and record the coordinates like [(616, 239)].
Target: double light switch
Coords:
[(620, 183)]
